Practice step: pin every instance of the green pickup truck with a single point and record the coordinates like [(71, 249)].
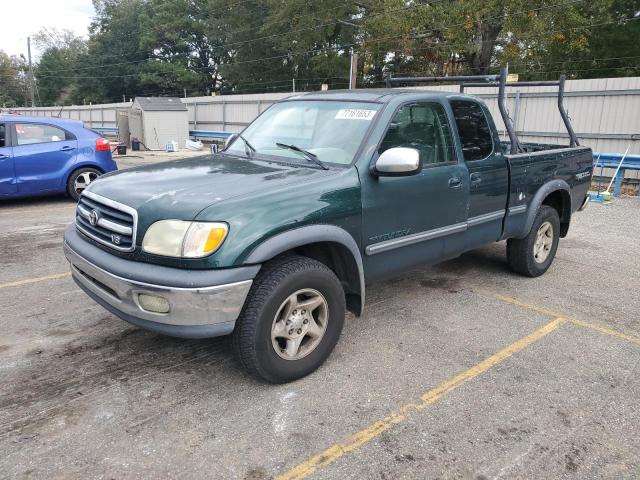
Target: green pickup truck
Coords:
[(273, 239)]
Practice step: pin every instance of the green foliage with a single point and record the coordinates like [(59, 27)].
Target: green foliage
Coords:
[(185, 37), (164, 47), (13, 81), (63, 54)]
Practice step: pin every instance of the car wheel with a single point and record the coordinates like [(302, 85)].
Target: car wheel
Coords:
[(80, 179), (533, 255), (291, 320)]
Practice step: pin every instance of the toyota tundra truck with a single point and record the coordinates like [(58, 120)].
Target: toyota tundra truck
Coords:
[(272, 240)]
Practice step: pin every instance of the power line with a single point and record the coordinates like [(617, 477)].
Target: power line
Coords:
[(336, 47), (342, 47)]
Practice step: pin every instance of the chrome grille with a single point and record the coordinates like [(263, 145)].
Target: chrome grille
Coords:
[(107, 221)]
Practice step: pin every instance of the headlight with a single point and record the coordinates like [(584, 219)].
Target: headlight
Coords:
[(176, 238)]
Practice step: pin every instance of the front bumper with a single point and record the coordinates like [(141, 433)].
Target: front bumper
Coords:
[(200, 303)]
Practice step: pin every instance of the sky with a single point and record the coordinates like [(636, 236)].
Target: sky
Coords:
[(22, 18)]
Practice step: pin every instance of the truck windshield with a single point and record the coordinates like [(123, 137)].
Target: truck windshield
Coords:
[(332, 131)]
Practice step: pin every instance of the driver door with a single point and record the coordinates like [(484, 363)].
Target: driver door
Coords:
[(419, 219)]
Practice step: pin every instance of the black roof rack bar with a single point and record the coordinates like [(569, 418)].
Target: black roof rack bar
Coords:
[(499, 81), (454, 78), (550, 83), (502, 105), (563, 113)]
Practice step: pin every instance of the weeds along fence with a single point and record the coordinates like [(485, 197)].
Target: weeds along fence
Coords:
[(605, 112)]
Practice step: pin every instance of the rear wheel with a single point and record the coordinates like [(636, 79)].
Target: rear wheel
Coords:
[(534, 254), (291, 321), (80, 179)]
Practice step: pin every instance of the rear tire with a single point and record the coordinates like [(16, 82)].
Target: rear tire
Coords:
[(80, 179), (533, 255), (291, 320)]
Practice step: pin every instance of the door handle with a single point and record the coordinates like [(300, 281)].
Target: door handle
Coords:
[(2, 156), (475, 178), (66, 149), (455, 182)]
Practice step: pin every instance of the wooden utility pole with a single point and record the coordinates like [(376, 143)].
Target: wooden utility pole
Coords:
[(31, 79), (353, 71)]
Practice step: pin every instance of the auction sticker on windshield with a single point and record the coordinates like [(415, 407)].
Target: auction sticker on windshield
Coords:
[(355, 114)]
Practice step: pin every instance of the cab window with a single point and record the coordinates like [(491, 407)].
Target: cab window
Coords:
[(475, 134), (422, 126), (3, 136), (32, 133)]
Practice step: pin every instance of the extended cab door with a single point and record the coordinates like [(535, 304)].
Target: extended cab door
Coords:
[(419, 219), (488, 172), (42, 155), (7, 174)]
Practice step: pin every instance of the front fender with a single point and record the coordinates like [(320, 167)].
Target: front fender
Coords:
[(310, 234)]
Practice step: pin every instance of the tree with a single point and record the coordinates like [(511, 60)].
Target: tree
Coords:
[(277, 41), (114, 60), (162, 47), (186, 38), (476, 36), (14, 89), (60, 62), (614, 49)]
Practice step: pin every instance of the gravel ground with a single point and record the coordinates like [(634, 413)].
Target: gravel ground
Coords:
[(441, 378)]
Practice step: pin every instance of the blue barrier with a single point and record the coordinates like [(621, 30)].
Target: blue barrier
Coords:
[(106, 129), (209, 134), (192, 133), (612, 160)]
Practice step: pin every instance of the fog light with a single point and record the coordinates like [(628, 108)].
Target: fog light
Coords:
[(153, 303)]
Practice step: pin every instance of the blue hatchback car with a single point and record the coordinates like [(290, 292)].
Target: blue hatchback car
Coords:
[(42, 155)]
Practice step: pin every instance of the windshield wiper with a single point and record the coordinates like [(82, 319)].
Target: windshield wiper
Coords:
[(249, 149), (308, 155)]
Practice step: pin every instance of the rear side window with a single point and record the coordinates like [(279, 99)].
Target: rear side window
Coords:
[(31, 133), (3, 135), (475, 134), (422, 126)]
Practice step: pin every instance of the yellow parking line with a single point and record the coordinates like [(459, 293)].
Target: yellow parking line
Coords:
[(605, 330), (573, 320), (29, 281), (356, 440), (518, 303)]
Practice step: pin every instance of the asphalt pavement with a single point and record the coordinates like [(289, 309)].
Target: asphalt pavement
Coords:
[(461, 370)]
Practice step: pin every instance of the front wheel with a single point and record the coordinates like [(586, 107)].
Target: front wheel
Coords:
[(532, 255), (80, 179), (291, 320)]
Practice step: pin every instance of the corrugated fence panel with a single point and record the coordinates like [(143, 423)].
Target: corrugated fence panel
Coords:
[(605, 112)]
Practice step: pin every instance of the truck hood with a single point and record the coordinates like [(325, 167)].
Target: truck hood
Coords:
[(180, 189)]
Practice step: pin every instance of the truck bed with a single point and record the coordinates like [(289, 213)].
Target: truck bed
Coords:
[(531, 170)]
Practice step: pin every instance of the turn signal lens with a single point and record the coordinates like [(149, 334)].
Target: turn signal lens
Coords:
[(203, 239), (177, 238)]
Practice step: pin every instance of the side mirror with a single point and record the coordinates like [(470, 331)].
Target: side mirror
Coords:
[(398, 162), (230, 140)]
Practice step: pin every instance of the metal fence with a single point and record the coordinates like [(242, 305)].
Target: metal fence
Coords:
[(605, 112)]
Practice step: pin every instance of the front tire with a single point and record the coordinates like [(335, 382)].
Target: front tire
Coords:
[(80, 179), (533, 255), (291, 320)]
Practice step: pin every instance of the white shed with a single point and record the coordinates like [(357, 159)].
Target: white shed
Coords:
[(157, 121)]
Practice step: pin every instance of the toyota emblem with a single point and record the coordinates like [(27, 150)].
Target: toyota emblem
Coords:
[(94, 217)]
